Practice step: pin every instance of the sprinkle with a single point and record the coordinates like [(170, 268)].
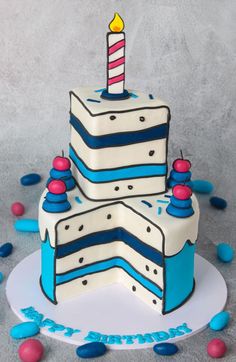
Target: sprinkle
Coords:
[(77, 199), (93, 100), (146, 203), (133, 95), (169, 196), (163, 201), (151, 96), (159, 210), (99, 90)]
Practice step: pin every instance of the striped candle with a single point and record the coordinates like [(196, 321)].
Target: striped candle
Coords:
[(116, 63)]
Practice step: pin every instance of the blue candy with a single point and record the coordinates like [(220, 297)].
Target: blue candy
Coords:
[(202, 186), (30, 179), (225, 252), (218, 202), (219, 321), (91, 350), (6, 249), (165, 349), (27, 225), (24, 330), (1, 277)]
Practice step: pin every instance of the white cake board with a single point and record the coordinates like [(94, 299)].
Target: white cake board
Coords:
[(114, 309)]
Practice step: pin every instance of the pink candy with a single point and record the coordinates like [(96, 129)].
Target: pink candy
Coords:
[(61, 163), (182, 192), (216, 348), (57, 187), (181, 165), (17, 209), (31, 351)]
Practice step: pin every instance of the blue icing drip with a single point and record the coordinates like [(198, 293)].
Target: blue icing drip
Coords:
[(119, 139), (146, 203), (77, 199), (179, 277), (105, 265), (108, 236), (121, 173), (47, 266)]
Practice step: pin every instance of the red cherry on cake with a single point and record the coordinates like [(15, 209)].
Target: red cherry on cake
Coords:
[(182, 192), (57, 187), (181, 165), (61, 163)]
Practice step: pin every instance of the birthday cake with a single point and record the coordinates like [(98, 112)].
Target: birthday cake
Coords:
[(109, 213)]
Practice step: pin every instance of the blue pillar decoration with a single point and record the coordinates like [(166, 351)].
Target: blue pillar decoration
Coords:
[(177, 178), (66, 176), (180, 205), (56, 199)]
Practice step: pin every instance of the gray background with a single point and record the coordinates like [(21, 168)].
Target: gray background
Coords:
[(182, 51)]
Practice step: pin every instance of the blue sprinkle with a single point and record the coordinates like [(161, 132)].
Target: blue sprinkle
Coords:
[(165, 349), (6, 250), (146, 203), (163, 201), (27, 225), (225, 252), (30, 179), (93, 100), (202, 186), (91, 350), (77, 199), (159, 210), (1, 277), (151, 96), (218, 202), (133, 95), (99, 90), (169, 196)]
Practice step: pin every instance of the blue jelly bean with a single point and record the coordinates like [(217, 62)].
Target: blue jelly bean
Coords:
[(91, 350), (202, 186), (219, 321), (27, 225), (6, 249), (225, 252), (30, 179), (165, 349), (1, 277), (218, 202), (24, 330)]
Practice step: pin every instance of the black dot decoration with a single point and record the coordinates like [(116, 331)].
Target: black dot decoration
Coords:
[(67, 227), (116, 188), (133, 288), (130, 187), (142, 119), (147, 267), (148, 229), (112, 118), (84, 282), (81, 227), (154, 301), (151, 153), (109, 216), (155, 271), (81, 260)]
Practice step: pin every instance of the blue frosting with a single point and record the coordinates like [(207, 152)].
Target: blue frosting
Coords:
[(105, 265), (121, 173), (108, 236), (179, 277), (119, 139), (47, 267)]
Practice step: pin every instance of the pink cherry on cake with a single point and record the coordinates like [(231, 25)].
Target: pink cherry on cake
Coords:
[(57, 187), (182, 192), (181, 165), (61, 163)]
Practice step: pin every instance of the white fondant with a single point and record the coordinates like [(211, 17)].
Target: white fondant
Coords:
[(118, 54), (118, 87), (114, 309), (98, 158), (116, 71), (114, 38)]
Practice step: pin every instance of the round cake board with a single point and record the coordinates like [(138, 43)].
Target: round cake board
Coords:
[(114, 310)]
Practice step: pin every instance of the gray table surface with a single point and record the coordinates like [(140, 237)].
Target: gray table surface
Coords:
[(181, 50)]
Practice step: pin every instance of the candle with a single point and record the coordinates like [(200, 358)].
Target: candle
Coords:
[(116, 61)]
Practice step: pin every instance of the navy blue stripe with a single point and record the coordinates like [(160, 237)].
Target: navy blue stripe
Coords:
[(108, 236), (106, 265), (119, 139)]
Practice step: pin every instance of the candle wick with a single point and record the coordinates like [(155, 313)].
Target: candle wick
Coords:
[(181, 153), (62, 152)]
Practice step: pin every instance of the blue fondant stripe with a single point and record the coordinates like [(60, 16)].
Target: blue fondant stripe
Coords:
[(108, 236), (108, 264), (122, 173), (119, 139)]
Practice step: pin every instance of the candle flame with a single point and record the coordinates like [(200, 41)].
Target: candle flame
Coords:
[(117, 24)]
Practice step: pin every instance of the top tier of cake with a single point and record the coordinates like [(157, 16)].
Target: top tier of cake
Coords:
[(118, 148)]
